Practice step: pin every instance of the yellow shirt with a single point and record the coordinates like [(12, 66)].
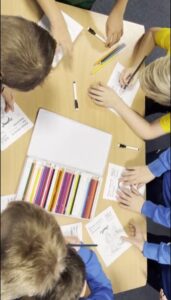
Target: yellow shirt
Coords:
[(162, 39), (165, 123)]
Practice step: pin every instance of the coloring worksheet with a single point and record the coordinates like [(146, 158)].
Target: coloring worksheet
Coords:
[(106, 231), (129, 93), (112, 184), (13, 125), (73, 230)]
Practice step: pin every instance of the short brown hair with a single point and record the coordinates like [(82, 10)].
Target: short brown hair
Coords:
[(71, 282), (33, 251), (27, 52)]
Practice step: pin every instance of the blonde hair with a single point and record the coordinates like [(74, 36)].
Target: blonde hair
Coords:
[(33, 251), (155, 80)]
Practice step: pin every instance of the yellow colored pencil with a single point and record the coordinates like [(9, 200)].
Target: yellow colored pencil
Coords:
[(100, 66)]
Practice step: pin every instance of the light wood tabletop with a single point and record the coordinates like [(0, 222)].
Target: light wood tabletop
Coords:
[(56, 94)]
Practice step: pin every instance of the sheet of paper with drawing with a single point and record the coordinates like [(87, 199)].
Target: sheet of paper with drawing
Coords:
[(13, 125), (112, 182), (129, 93), (73, 230), (106, 230), (74, 29)]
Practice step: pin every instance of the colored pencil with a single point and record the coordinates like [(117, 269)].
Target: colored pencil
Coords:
[(42, 185), (72, 195), (81, 195), (47, 187), (57, 189), (110, 54), (24, 179), (30, 183), (51, 191), (134, 73), (62, 191), (66, 195), (90, 199)]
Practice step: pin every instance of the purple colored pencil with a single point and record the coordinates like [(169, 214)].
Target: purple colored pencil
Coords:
[(43, 179), (62, 192)]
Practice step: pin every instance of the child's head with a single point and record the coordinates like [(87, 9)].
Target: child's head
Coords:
[(71, 282), (33, 251), (27, 52), (155, 80)]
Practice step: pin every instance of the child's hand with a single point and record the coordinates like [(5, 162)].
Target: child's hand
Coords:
[(114, 28), (162, 295), (136, 237), (130, 199), (73, 240), (137, 175), (9, 99), (63, 39), (103, 95), (125, 76)]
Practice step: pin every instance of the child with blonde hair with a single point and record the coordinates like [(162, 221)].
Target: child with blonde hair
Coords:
[(155, 81)]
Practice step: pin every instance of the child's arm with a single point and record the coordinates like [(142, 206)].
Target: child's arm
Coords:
[(99, 284), (158, 252), (162, 164), (144, 47), (58, 26), (105, 96), (144, 174), (114, 24), (134, 201)]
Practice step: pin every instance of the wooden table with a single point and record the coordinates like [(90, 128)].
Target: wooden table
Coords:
[(56, 94)]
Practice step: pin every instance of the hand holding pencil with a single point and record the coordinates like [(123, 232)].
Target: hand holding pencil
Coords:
[(128, 75)]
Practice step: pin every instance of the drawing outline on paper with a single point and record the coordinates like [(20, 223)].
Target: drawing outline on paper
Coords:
[(112, 184), (128, 94), (106, 231)]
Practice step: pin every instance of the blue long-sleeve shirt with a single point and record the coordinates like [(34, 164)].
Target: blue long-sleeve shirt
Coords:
[(162, 164), (158, 252), (159, 213), (100, 286)]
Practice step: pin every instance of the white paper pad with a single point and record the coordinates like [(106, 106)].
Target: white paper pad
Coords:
[(129, 93), (106, 230), (5, 200), (74, 29), (13, 125), (73, 230), (69, 143), (112, 182)]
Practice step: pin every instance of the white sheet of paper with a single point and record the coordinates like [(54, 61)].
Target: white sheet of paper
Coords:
[(106, 230), (73, 230), (13, 125), (5, 200), (69, 143), (74, 29), (129, 93), (112, 182)]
